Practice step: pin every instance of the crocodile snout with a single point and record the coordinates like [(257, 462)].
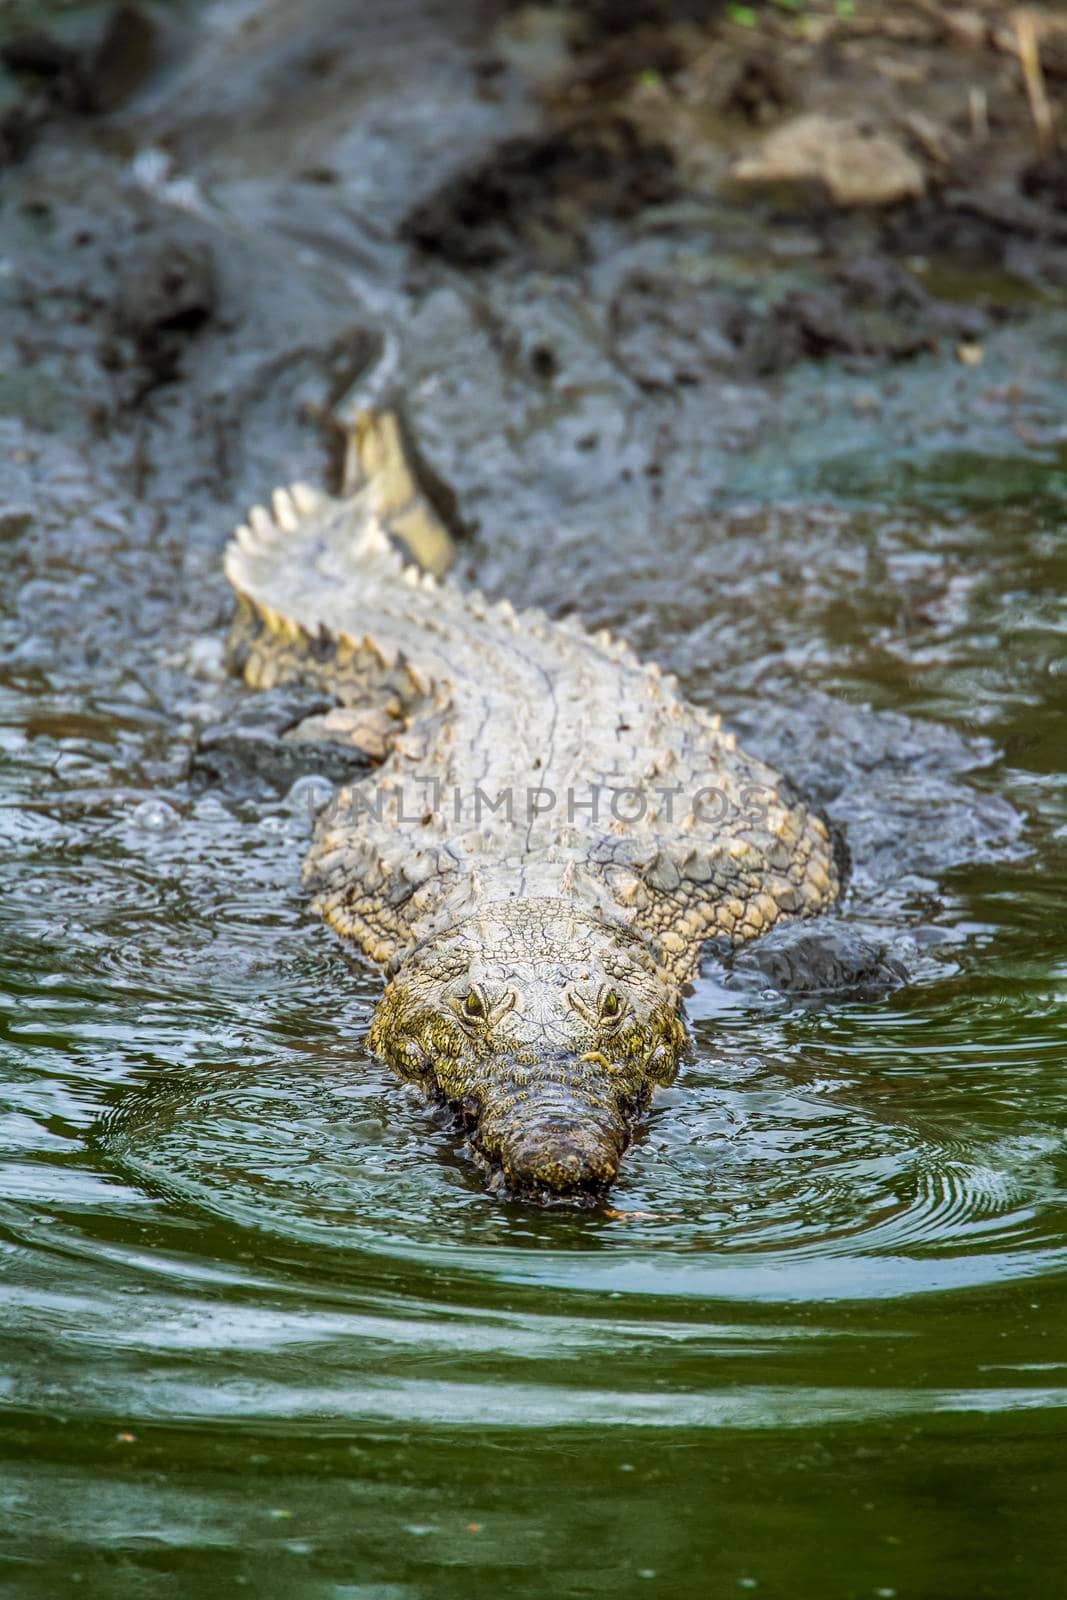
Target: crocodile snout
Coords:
[(562, 1160), (554, 1142)]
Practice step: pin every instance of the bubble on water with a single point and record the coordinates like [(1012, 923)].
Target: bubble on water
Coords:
[(309, 794), (206, 657), (209, 808), (274, 824), (154, 816)]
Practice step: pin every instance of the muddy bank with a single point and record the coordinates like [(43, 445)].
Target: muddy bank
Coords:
[(594, 211), (900, 131)]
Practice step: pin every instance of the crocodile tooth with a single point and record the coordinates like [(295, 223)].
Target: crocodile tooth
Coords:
[(259, 519), (285, 511), (429, 581), (410, 576), (420, 682), (306, 499), (245, 538), (505, 611), (382, 653), (374, 540)]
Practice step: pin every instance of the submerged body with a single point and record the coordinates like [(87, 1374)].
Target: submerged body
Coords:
[(550, 834)]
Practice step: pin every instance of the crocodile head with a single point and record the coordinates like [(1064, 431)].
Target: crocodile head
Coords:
[(547, 1029)]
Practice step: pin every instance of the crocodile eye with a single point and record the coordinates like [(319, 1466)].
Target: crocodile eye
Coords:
[(610, 1004), (473, 1005)]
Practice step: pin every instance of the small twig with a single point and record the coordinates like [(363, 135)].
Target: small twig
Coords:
[(1026, 38)]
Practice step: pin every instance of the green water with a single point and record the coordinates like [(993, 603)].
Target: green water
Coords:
[(264, 1329)]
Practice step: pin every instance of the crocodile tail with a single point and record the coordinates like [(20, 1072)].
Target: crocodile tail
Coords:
[(323, 581), (414, 506)]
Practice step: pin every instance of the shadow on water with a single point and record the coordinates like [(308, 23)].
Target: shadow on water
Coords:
[(263, 1326)]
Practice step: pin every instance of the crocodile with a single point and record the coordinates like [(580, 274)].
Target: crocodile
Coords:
[(546, 837)]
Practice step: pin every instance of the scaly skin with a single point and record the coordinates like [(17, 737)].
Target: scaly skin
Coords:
[(536, 953)]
